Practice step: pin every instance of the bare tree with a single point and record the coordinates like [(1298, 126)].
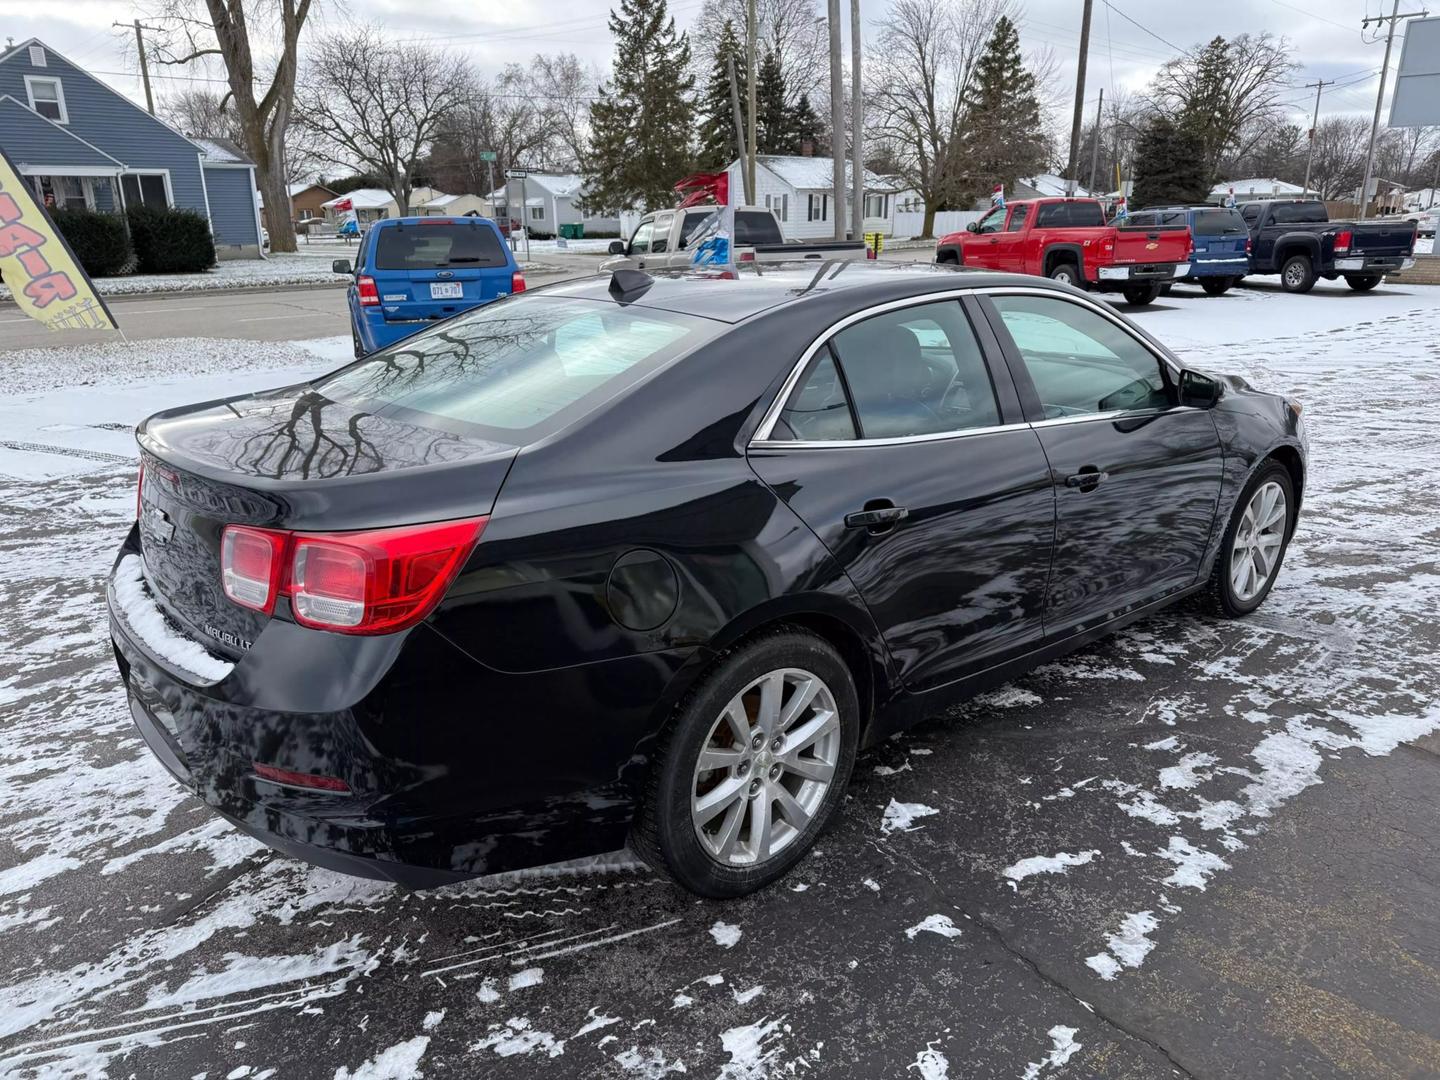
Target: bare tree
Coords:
[(562, 89), (206, 114), (791, 29), (1339, 166), (371, 103), (236, 31), (916, 78)]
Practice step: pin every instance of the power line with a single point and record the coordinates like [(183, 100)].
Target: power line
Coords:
[(1311, 14), (1147, 30)]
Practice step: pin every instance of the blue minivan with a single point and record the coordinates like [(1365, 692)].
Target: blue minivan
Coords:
[(414, 271), (1222, 242)]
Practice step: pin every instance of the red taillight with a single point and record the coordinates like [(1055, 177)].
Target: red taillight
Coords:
[(747, 256), (298, 779), (517, 282), (1342, 241), (365, 288), (1249, 243), (251, 561), (373, 582)]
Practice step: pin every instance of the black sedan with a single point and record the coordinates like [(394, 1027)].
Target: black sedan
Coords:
[(648, 560)]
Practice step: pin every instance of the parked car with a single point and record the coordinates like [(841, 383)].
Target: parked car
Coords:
[(648, 559), (1220, 242), (1296, 239), (1425, 222), (1069, 240), (414, 271), (662, 240)]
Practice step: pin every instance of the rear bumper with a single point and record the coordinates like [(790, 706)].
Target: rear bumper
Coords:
[(440, 789), (1374, 264), (1144, 272), (1230, 266)]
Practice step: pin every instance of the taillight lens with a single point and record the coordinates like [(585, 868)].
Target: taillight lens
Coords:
[(517, 282), (1342, 240), (373, 582), (365, 289), (250, 564)]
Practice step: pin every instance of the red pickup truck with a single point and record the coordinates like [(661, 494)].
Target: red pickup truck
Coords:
[(1069, 240)]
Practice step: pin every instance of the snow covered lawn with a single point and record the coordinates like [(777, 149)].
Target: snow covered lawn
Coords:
[(1010, 890), (277, 270)]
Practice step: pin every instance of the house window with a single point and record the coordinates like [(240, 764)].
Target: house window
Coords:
[(306, 215), (37, 56), (47, 97), (874, 206), (538, 213), (63, 192), (819, 209), (145, 189), (780, 205)]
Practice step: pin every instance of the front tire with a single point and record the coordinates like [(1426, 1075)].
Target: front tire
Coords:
[(1298, 274), (1362, 282), (1216, 286), (1255, 542), (752, 766), (1141, 294)]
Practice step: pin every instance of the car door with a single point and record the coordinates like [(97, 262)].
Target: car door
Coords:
[(639, 249), (1008, 246), (906, 453), (982, 248), (1136, 475)]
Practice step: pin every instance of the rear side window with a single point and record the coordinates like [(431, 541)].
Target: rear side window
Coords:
[(1084, 214), (1299, 213), (429, 247), (1144, 219), (523, 365), (1017, 218), (818, 409), (1218, 223), (756, 227)]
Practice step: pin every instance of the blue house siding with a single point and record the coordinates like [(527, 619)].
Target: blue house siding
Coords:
[(232, 205), (32, 140)]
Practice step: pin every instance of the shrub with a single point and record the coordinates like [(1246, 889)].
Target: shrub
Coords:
[(98, 240), (170, 241)]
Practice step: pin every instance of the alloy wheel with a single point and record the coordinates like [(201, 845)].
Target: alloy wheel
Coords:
[(1255, 553), (1294, 275), (765, 767)]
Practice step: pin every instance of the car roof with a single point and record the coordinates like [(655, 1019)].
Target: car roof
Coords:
[(757, 291), (436, 219)]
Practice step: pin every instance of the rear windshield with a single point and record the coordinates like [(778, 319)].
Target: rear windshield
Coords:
[(519, 366), (1218, 223), (428, 247), (1299, 212), (756, 227)]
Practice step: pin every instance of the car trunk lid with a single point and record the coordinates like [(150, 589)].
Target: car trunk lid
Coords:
[(1379, 239), (1151, 244)]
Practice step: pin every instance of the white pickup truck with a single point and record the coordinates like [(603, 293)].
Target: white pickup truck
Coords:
[(661, 241)]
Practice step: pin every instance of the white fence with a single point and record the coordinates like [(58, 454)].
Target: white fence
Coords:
[(946, 221)]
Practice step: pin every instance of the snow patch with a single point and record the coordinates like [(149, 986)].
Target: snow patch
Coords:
[(1193, 866), (1128, 946), (1047, 864), (753, 1048), (399, 1062), (934, 924), (931, 1064), (902, 816), (144, 617), (726, 935), (518, 1036), (529, 977), (744, 997), (1062, 1049)]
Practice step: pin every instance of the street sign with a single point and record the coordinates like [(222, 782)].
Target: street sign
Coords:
[(487, 155), (1417, 89), (516, 174)]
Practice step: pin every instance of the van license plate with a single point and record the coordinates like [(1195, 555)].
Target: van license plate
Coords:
[(446, 290)]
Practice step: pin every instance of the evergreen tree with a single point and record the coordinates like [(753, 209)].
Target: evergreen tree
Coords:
[(1003, 138), (773, 132), (717, 114), (643, 122), (805, 127), (1169, 166), (1205, 116)]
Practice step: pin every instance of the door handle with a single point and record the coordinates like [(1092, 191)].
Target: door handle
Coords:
[(878, 519), (1087, 479)]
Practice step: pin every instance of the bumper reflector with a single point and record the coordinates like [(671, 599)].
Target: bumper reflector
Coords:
[(299, 779)]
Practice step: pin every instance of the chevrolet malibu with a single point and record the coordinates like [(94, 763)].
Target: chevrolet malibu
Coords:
[(648, 560)]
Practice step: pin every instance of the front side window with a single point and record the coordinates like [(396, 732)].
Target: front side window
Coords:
[(1080, 362), (661, 240), (528, 363), (47, 98), (640, 242), (992, 222), (916, 371)]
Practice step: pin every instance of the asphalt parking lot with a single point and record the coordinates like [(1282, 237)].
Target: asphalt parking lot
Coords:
[(1200, 848)]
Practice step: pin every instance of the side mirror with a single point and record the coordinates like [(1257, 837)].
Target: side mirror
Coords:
[(617, 247), (341, 266), (1198, 391), (974, 226)]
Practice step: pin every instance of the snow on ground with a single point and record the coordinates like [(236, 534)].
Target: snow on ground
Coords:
[(276, 270), (85, 810)]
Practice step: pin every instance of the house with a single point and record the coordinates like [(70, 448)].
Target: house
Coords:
[(458, 206), (1257, 189), (307, 201), (369, 205), (798, 189), (80, 143), (549, 201)]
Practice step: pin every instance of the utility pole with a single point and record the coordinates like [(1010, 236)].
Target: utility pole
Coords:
[(1392, 19), (1079, 116), (747, 178), (750, 98), (837, 123), (1314, 123), (857, 124), (144, 64), (1095, 152)]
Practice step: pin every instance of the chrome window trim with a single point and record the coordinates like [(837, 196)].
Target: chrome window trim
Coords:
[(761, 439)]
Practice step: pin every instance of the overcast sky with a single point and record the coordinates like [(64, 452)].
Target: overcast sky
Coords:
[(1325, 33)]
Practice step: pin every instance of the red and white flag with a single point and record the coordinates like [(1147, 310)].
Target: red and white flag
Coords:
[(344, 204), (997, 197)]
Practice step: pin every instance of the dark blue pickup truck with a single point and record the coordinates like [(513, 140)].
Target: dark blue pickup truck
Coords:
[(1221, 242), (1297, 240)]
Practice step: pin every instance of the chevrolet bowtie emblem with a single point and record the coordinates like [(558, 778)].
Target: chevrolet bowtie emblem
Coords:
[(161, 527)]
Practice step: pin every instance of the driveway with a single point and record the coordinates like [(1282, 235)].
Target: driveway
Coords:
[(1200, 848)]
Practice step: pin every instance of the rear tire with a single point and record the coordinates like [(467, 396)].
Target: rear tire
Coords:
[(1362, 282), (1140, 294), (1254, 534), (1297, 275), (1216, 286), (775, 780), (1068, 273)]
